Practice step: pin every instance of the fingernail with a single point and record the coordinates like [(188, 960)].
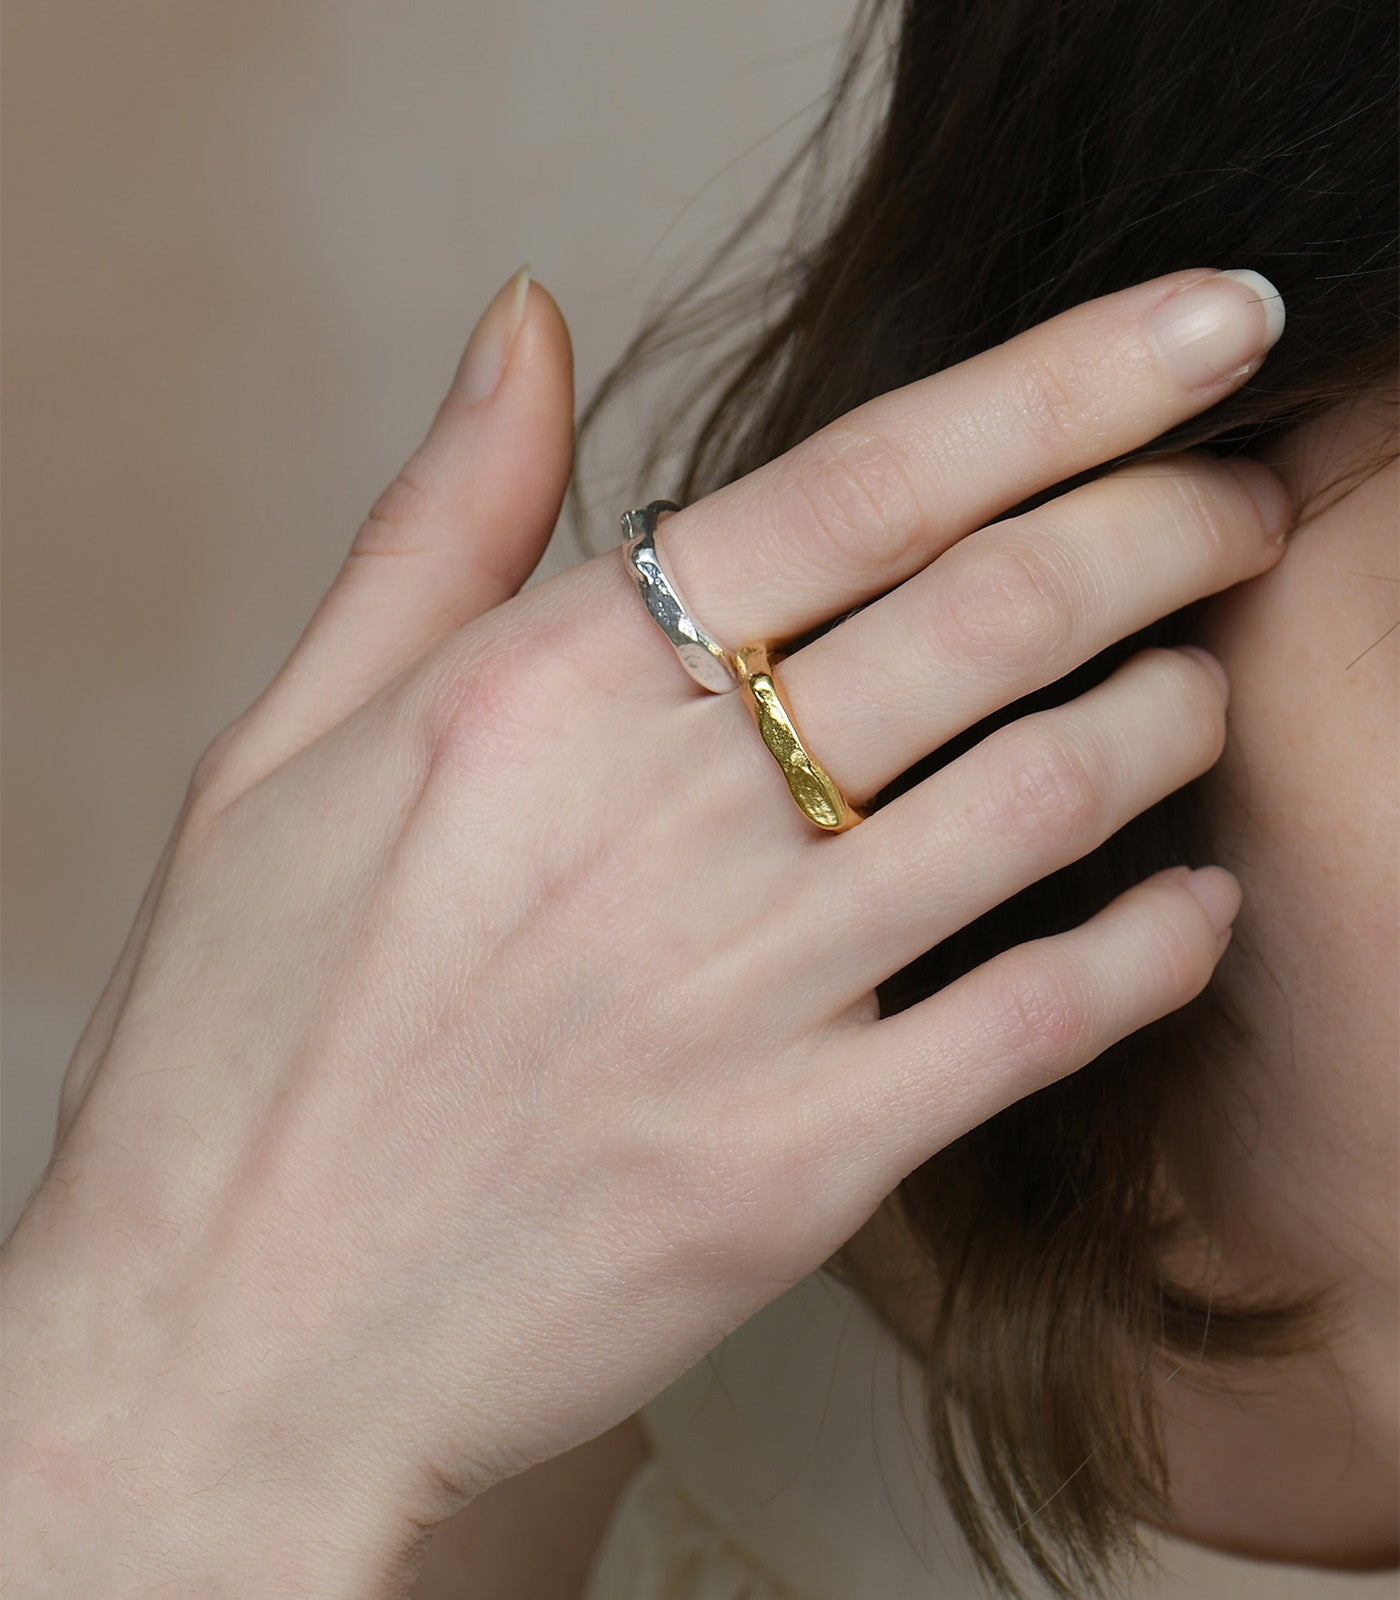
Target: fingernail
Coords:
[(1266, 490), (484, 360), (1211, 331), (1208, 660), (1219, 892)]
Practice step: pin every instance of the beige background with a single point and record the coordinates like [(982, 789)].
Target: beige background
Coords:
[(244, 245)]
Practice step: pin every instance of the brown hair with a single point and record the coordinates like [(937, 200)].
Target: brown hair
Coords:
[(1028, 155)]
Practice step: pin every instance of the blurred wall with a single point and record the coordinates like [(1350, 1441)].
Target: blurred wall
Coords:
[(243, 247)]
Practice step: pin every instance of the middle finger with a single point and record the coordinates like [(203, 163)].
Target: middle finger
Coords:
[(1015, 606)]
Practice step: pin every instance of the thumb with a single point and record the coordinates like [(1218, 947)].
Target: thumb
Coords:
[(458, 531)]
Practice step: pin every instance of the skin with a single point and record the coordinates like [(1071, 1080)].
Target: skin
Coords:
[(299, 1281)]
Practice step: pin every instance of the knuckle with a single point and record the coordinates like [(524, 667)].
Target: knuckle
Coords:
[(857, 491), (1040, 792), (1197, 499), (1206, 509), (1054, 403), (211, 781), (482, 710), (1042, 1014), (389, 527), (520, 691), (1005, 605)]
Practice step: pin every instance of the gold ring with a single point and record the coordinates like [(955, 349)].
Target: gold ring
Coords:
[(812, 785)]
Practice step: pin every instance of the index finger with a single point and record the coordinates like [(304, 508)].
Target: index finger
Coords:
[(876, 495)]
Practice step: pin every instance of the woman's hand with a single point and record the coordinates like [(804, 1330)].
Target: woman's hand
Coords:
[(496, 1033)]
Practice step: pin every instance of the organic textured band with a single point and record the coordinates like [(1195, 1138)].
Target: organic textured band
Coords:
[(812, 785), (702, 656)]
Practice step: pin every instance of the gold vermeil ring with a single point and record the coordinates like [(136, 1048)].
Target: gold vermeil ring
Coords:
[(813, 787)]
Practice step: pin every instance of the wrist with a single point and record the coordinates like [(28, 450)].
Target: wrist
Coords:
[(133, 1464), (82, 1521)]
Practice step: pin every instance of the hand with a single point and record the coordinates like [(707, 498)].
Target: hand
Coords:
[(497, 1034)]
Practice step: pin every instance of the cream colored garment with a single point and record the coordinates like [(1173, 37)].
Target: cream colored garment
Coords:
[(789, 1466)]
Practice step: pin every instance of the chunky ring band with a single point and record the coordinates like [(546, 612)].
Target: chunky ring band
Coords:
[(703, 657), (812, 785)]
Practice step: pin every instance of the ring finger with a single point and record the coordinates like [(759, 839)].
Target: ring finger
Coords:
[(1032, 797)]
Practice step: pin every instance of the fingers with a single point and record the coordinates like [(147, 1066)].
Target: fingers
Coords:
[(1019, 604), (901, 1088), (458, 531), (878, 494), (1032, 797)]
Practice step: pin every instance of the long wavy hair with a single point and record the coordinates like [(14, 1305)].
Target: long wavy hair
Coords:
[(1023, 156)]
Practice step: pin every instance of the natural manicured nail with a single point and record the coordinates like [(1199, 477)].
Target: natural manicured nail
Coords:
[(1219, 892), (484, 360), (1211, 331)]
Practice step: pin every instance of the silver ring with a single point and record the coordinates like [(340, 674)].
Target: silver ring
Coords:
[(702, 656)]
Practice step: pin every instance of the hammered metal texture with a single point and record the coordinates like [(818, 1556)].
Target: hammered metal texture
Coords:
[(702, 656)]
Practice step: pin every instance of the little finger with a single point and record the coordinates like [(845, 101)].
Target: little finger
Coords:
[(893, 1092)]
